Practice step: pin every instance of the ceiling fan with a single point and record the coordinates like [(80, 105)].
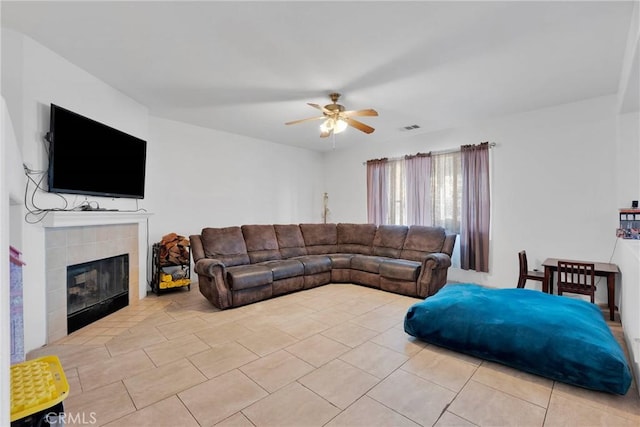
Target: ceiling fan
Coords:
[(336, 119)]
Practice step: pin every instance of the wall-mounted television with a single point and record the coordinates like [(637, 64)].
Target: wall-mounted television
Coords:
[(91, 158)]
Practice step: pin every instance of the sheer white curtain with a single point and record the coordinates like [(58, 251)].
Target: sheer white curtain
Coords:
[(397, 193), (418, 178), (446, 190)]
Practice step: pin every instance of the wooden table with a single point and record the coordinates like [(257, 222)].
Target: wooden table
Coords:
[(602, 269)]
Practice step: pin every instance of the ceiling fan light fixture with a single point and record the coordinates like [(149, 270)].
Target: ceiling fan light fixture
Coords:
[(326, 126), (339, 126), (333, 124)]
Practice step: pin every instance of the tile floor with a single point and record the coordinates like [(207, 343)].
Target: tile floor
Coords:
[(335, 355)]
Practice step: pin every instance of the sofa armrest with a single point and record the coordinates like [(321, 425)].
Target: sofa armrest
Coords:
[(440, 260), (211, 281), (210, 267), (433, 274)]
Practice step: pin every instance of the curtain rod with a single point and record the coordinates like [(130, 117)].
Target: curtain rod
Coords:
[(451, 150)]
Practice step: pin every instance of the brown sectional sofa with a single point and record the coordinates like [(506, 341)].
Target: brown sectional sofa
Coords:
[(242, 265)]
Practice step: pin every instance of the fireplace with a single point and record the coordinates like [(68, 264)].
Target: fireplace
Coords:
[(76, 237), (96, 289)]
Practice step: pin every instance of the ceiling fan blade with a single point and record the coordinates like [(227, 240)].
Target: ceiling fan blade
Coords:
[(305, 120), (359, 125), (324, 110), (367, 112)]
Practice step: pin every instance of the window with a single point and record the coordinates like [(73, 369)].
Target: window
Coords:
[(449, 190), (423, 190)]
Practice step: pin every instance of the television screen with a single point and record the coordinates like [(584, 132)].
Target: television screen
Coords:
[(88, 157)]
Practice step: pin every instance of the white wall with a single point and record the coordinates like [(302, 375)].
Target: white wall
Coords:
[(628, 159), (205, 178), (627, 253), (33, 77), (552, 190), (5, 342), (196, 177)]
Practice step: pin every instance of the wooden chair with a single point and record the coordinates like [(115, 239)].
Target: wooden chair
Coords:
[(525, 274), (577, 278)]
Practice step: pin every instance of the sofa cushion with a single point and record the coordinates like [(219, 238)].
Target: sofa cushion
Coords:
[(248, 276), (368, 263), (340, 260), (356, 238), (285, 268), (315, 264), (226, 244), (422, 241), (400, 269), (290, 240), (389, 240), (261, 242), (320, 238)]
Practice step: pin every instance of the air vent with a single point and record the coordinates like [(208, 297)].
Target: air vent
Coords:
[(410, 127)]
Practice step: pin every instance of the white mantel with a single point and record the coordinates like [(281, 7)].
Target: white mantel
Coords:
[(83, 218)]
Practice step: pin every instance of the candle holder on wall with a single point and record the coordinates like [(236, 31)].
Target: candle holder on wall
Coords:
[(325, 207)]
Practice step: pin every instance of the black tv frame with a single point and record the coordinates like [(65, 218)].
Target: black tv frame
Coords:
[(108, 180)]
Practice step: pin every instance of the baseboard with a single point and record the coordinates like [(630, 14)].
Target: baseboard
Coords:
[(633, 347)]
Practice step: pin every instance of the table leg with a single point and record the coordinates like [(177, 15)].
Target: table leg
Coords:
[(546, 281), (611, 289)]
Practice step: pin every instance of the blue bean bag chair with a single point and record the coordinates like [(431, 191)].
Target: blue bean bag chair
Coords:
[(556, 337)]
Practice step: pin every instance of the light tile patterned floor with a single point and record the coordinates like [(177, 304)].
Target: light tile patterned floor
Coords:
[(335, 355)]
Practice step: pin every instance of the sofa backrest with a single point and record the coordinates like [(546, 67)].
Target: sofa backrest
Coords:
[(197, 250), (422, 241), (320, 238), (290, 240), (261, 242), (356, 238), (226, 244), (449, 243), (257, 243), (389, 240)]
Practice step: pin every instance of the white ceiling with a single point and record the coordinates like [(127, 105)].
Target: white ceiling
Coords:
[(249, 67)]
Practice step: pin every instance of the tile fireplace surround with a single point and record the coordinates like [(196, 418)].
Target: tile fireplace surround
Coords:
[(77, 237)]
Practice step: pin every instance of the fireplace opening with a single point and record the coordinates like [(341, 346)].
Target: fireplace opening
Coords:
[(96, 289)]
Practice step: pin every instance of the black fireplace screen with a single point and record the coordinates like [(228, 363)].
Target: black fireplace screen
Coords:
[(96, 289)]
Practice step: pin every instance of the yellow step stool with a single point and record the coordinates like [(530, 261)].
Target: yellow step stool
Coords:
[(37, 385)]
